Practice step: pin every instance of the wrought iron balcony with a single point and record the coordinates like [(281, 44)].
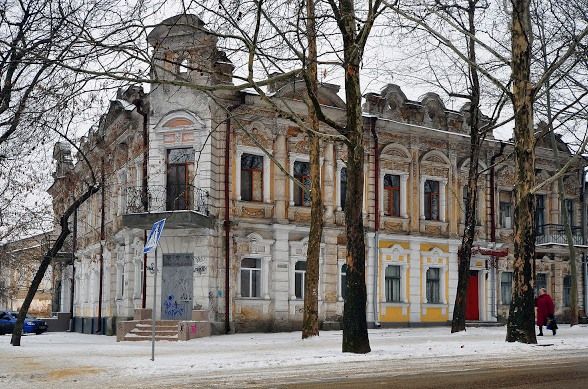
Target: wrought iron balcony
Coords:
[(556, 234), (159, 198)]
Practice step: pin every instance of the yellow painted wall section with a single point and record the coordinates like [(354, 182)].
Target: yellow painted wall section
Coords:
[(434, 315), (393, 315), (429, 247), (385, 244)]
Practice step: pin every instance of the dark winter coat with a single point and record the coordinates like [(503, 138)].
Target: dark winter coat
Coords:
[(545, 308)]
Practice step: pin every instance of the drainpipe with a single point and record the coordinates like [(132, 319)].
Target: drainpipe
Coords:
[(493, 237), (141, 109), (74, 247), (227, 221), (102, 238), (376, 216)]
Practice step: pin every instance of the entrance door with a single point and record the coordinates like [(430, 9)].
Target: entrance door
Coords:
[(177, 287), (472, 307)]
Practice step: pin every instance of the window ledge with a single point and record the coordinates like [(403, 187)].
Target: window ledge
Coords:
[(253, 209), (395, 303), (434, 305), (258, 300)]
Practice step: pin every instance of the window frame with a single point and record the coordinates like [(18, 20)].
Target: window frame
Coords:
[(569, 209), (390, 191), (393, 282), (298, 191), (436, 282), (537, 287), (539, 227), (503, 284), (299, 277), (257, 270), (187, 194), (566, 291), (429, 197), (250, 173), (501, 215)]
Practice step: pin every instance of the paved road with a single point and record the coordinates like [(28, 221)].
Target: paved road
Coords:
[(569, 371), (568, 374)]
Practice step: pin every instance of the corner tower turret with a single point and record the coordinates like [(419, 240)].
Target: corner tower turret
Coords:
[(185, 49)]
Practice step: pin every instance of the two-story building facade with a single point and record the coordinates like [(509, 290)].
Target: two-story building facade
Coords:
[(234, 245)]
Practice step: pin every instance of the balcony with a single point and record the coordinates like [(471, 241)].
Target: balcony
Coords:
[(555, 234), (183, 207)]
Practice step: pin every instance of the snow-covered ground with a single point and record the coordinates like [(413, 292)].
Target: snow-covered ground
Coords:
[(70, 359)]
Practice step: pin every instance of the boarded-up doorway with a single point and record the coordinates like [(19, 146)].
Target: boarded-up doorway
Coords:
[(177, 287)]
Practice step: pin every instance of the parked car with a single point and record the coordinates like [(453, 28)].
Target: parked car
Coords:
[(31, 325)]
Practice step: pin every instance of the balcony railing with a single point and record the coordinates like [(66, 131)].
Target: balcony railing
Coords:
[(556, 234), (159, 198)]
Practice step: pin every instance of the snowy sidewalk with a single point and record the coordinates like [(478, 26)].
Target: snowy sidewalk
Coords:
[(75, 360)]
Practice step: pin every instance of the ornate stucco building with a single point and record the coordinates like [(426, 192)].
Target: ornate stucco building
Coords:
[(234, 244)]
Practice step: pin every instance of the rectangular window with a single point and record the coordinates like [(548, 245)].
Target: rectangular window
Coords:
[(299, 274), (433, 286), (180, 171), (392, 281), (431, 200), (567, 290), (505, 208), (302, 174), (343, 187), (251, 177), (506, 287), (391, 195), (250, 277), (539, 214), (540, 282), (569, 205)]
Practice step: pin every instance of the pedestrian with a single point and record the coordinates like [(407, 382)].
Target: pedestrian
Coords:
[(545, 310)]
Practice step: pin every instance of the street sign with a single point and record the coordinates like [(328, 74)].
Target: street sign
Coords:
[(154, 236)]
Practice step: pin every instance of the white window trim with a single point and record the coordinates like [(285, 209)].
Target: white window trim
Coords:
[(500, 301), (303, 281), (296, 157), (435, 255), (264, 290), (395, 252), (442, 189), (295, 257), (403, 186), (497, 205), (266, 171)]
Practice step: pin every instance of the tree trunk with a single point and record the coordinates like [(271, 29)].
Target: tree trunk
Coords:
[(355, 335), (310, 320), (51, 253), (521, 326), (465, 251)]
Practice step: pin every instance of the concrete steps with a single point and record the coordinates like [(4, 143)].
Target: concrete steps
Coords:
[(171, 330), (164, 330)]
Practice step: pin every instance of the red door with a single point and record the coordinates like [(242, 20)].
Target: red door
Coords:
[(472, 307)]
